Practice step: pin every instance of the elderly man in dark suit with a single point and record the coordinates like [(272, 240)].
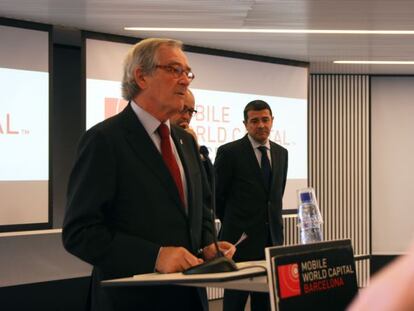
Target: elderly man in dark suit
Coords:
[(250, 182), (137, 196)]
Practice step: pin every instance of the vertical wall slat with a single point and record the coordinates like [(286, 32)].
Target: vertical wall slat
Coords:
[(339, 140)]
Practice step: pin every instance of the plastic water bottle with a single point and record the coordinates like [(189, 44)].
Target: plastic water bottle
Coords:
[(309, 218)]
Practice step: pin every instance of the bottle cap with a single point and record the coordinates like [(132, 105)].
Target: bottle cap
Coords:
[(306, 197)]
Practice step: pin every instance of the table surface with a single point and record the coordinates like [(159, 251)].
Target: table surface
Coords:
[(250, 276)]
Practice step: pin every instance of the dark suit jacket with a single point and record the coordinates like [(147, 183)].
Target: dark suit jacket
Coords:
[(242, 202), (123, 206)]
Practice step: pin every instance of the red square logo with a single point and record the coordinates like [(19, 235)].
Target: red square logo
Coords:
[(288, 277)]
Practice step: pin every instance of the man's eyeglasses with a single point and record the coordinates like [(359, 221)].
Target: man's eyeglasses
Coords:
[(191, 111), (177, 71)]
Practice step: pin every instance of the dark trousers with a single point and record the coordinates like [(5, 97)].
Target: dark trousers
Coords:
[(153, 298), (235, 300)]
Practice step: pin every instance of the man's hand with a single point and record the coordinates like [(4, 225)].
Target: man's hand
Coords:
[(226, 248), (175, 259)]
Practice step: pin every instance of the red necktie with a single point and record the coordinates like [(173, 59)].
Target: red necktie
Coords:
[(169, 158)]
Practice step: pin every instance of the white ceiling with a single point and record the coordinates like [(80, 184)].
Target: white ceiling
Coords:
[(111, 16)]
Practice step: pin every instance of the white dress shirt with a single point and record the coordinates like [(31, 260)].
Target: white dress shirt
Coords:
[(151, 124)]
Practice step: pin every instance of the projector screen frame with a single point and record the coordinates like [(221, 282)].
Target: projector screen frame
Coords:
[(49, 30), (193, 49)]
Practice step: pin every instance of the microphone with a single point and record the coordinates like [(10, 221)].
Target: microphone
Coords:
[(209, 169), (204, 152), (220, 263)]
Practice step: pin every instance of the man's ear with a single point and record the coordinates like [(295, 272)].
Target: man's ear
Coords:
[(140, 78)]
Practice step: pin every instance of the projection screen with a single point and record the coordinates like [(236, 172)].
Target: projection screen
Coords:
[(24, 127), (222, 88)]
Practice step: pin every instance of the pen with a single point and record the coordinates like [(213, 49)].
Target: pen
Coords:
[(241, 239)]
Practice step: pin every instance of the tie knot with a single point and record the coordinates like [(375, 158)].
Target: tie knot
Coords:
[(262, 149), (163, 130)]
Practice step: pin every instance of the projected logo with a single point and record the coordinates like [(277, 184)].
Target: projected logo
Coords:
[(114, 106), (288, 276), (7, 126)]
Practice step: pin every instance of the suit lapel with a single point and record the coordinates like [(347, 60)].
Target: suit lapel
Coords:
[(179, 145), (275, 166), (147, 152)]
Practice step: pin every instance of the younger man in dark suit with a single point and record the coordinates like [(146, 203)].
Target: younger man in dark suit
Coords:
[(137, 196), (250, 182)]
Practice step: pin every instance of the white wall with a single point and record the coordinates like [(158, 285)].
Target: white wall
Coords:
[(392, 116)]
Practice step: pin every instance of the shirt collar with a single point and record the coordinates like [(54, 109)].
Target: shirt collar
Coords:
[(148, 121), (256, 144)]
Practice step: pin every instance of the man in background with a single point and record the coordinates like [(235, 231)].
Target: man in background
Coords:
[(183, 119), (250, 182), (138, 201)]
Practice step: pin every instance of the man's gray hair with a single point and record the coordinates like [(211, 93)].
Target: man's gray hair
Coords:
[(142, 55)]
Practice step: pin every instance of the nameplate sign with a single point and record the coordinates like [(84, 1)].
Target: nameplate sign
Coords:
[(318, 276)]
